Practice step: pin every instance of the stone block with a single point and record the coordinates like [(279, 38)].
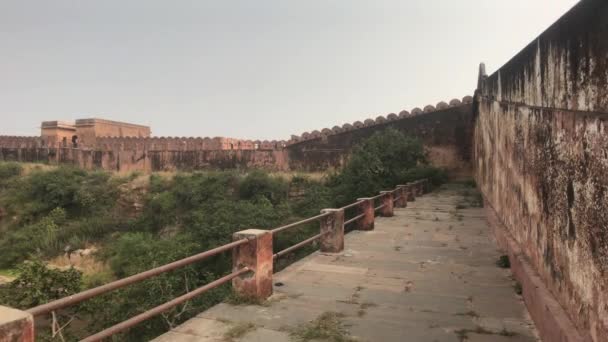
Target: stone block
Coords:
[(333, 228), (16, 325), (257, 255)]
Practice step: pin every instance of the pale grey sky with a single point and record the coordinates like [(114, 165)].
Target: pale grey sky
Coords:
[(262, 69)]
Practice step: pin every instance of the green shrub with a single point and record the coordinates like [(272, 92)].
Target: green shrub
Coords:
[(76, 191), (38, 284), (436, 176), (380, 162), (132, 253), (503, 262), (9, 170), (52, 209), (259, 184)]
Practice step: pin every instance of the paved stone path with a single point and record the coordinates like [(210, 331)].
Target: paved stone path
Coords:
[(427, 274)]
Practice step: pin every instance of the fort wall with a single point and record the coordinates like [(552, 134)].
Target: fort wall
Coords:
[(445, 131), (541, 161), (147, 161)]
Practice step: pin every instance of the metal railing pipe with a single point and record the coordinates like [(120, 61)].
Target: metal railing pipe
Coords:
[(120, 327), (352, 205), (297, 246), (79, 297), (295, 224), (354, 219)]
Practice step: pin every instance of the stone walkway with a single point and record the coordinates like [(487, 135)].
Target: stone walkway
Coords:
[(427, 274)]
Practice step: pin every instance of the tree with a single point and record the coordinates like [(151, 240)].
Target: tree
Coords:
[(378, 163)]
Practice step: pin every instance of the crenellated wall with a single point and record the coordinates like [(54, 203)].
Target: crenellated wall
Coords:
[(183, 144), (148, 161), (445, 131), (541, 160), (21, 141), (126, 154)]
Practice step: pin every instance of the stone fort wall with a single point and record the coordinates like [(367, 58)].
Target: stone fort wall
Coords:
[(444, 130), (540, 158)]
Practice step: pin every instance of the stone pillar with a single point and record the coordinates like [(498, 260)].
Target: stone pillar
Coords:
[(387, 201), (411, 192), (422, 186), (421, 190), (16, 325), (402, 193), (257, 255), (333, 228), (366, 207)]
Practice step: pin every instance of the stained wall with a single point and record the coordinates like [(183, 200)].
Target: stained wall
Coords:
[(541, 159), (445, 131)]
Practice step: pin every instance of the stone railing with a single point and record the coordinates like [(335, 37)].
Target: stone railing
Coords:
[(253, 263)]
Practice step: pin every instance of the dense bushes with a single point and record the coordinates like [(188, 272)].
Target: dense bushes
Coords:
[(384, 160), (8, 171), (56, 210), (38, 284)]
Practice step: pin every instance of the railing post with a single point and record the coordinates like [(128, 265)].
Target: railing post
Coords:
[(387, 201), (421, 189), (367, 208), (332, 226), (411, 192), (426, 185), (257, 255), (16, 325), (402, 193)]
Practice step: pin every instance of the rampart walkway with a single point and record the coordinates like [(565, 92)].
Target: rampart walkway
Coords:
[(427, 274)]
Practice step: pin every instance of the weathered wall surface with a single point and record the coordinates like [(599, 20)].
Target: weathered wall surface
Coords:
[(541, 159), (183, 144), (445, 132), (148, 161)]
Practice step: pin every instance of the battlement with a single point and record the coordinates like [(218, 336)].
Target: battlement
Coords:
[(97, 121), (12, 141), (404, 114), (185, 144)]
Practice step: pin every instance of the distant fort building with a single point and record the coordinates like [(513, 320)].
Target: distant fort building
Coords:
[(84, 132)]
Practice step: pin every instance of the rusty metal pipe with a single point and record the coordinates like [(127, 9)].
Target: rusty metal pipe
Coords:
[(297, 246), (162, 308), (291, 225), (351, 205), (79, 297), (379, 207), (378, 196), (356, 218)]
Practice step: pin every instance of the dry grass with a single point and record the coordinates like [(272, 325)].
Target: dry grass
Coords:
[(317, 176), (327, 327), (31, 167), (238, 330), (87, 264)]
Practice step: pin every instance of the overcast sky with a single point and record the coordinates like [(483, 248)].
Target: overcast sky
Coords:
[(262, 69)]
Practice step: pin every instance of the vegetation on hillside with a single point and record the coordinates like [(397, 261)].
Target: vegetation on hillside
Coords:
[(46, 214)]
